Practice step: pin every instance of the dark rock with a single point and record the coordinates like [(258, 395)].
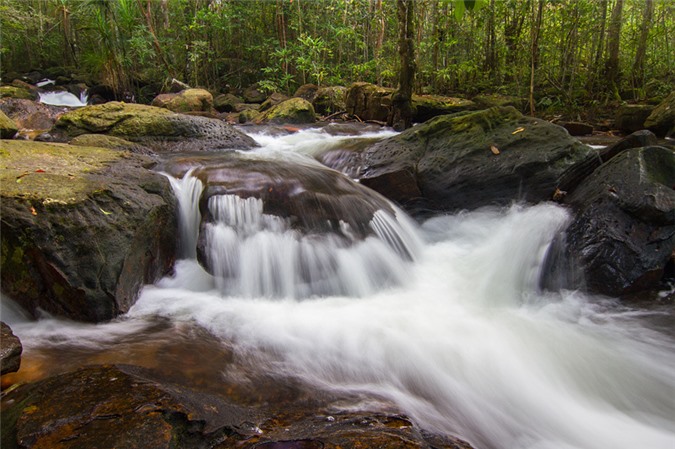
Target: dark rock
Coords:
[(578, 129), (102, 91), (226, 102), (486, 101), (157, 128), (10, 350), (329, 100), (469, 160), (253, 95), (662, 120), (631, 117), (8, 128), (623, 233), (273, 100), (83, 228), (307, 92), (576, 174)]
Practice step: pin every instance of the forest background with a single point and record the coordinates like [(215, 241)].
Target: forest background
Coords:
[(576, 56)]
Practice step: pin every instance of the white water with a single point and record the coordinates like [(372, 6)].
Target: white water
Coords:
[(64, 99), (464, 342)]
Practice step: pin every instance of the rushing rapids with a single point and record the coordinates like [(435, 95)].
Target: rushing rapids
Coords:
[(445, 319)]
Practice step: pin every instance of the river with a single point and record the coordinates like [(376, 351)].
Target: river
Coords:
[(445, 319)]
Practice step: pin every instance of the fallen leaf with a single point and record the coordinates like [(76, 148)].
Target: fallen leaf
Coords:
[(104, 212), (494, 149), (518, 130), (33, 211), (18, 178), (39, 170)]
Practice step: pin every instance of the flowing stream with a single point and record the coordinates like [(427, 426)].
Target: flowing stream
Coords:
[(444, 318)]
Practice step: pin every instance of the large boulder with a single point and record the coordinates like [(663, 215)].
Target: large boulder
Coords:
[(294, 110), (329, 100), (368, 101), (273, 100), (623, 234), (662, 119), (632, 117), (83, 228), (226, 102), (157, 128), (469, 160), (307, 92), (17, 92), (188, 100), (8, 128), (10, 350)]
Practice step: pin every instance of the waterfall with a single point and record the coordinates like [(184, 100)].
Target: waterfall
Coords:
[(64, 99), (188, 190)]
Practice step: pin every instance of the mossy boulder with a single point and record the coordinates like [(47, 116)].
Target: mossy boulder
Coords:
[(273, 100), (623, 234), (248, 115), (487, 101), (469, 160), (294, 110), (632, 117), (157, 128), (253, 94), (307, 91), (7, 127), (83, 228), (329, 100), (429, 106), (188, 100), (662, 119), (17, 92)]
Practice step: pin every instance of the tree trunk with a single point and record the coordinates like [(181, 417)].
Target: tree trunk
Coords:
[(612, 74), (401, 113), (534, 49), (639, 64), (600, 45)]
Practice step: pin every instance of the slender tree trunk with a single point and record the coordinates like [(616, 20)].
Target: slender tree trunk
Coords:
[(600, 45), (612, 74), (534, 49), (639, 63), (147, 12), (490, 48), (401, 113)]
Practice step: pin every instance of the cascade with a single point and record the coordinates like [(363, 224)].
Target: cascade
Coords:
[(64, 99)]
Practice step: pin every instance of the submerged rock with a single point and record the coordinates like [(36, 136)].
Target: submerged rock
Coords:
[(623, 233), (157, 128), (469, 160), (10, 350), (83, 228)]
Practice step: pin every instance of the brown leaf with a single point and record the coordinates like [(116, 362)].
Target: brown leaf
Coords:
[(494, 149), (33, 211), (518, 130), (39, 170)]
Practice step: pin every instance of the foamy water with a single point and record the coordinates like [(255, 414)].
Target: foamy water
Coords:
[(460, 338), (64, 99)]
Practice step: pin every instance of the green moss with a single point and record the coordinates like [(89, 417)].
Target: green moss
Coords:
[(7, 127), (50, 173), (294, 110), (17, 92)]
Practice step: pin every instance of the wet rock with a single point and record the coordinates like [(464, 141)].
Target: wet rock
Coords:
[(113, 407), (662, 120), (272, 100), (31, 115), (189, 100), (248, 115), (8, 128), (632, 117), (226, 102), (10, 350), (329, 100), (157, 128), (469, 160), (623, 233), (83, 228), (294, 110), (578, 129)]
